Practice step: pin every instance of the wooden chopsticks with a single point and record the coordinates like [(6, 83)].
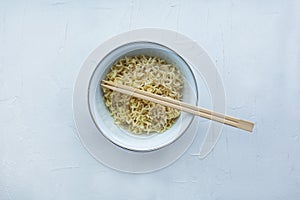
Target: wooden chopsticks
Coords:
[(208, 114)]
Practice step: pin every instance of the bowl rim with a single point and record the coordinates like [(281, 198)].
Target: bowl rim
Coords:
[(130, 148)]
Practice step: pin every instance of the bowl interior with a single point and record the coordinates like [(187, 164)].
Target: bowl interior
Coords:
[(105, 122)]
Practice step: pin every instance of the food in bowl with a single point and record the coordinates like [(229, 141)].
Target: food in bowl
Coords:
[(151, 74), (105, 122)]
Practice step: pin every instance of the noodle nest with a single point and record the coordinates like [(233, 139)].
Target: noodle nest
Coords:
[(151, 74)]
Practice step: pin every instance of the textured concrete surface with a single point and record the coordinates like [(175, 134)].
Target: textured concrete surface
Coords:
[(255, 45)]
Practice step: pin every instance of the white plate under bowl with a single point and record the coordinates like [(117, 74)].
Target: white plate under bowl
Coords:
[(105, 122), (124, 160)]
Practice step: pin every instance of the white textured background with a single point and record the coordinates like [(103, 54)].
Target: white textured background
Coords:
[(256, 47)]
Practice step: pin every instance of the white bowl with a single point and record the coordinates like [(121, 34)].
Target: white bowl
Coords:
[(100, 113)]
